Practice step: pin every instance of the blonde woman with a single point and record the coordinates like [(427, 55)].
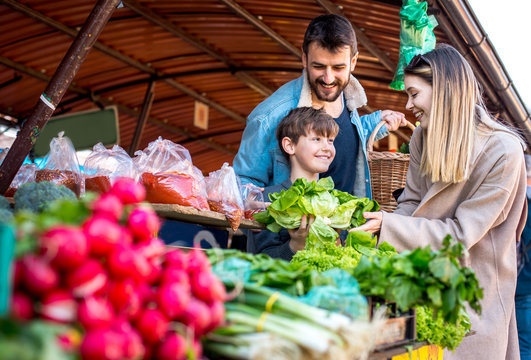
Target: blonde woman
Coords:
[(466, 178)]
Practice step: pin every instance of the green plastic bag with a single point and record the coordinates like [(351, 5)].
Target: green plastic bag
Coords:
[(416, 36), (343, 297), (7, 246)]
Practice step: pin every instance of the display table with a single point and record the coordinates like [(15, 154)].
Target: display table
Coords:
[(420, 350), (206, 218)]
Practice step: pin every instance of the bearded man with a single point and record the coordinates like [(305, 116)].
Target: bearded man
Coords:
[(329, 56)]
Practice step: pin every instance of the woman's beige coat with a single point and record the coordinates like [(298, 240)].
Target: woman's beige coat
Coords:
[(486, 213)]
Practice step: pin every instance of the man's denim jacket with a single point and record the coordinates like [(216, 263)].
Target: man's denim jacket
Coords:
[(259, 159)]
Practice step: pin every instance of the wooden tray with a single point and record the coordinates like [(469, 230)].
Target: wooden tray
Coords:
[(207, 218)]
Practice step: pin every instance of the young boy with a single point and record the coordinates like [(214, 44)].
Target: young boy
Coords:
[(306, 137)]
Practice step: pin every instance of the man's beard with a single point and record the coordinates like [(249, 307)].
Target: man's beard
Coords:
[(329, 97)]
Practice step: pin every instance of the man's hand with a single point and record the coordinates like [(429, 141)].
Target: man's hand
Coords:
[(298, 236), (393, 119), (373, 224)]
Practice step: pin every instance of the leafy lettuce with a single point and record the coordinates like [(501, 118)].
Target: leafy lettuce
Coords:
[(333, 209)]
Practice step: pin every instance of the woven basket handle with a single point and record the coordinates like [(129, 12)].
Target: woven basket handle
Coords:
[(370, 142)]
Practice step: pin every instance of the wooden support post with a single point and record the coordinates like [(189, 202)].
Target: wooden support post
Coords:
[(142, 118), (55, 90)]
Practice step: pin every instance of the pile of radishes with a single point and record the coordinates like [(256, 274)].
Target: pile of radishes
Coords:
[(113, 277)]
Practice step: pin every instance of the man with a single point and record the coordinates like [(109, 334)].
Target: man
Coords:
[(329, 57), (523, 286)]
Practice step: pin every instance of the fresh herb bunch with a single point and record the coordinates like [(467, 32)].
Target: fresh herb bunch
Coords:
[(294, 279), (404, 148), (438, 332), (422, 277), (333, 209)]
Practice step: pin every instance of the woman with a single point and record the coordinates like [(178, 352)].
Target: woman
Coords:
[(466, 178)]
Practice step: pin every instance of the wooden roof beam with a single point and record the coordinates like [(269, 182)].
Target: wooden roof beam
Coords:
[(363, 39), (241, 11), (167, 25), (122, 57), (122, 108)]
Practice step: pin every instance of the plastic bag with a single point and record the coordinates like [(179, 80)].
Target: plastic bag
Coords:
[(169, 177), (103, 166), (416, 36), (25, 174), (61, 166), (253, 200), (224, 196)]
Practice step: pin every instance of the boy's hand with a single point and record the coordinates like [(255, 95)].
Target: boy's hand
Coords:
[(393, 119), (298, 236)]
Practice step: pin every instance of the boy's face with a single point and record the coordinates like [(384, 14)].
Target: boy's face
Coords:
[(312, 153)]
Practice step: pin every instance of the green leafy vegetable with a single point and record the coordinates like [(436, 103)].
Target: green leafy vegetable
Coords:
[(438, 332), (333, 209)]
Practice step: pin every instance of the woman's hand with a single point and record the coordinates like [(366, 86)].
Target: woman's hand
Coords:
[(373, 224), (298, 236)]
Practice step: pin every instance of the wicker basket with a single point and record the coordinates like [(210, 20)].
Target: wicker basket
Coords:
[(388, 172)]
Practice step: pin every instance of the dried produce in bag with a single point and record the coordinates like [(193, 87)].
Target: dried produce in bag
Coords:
[(61, 166), (224, 196), (253, 200), (25, 174), (169, 176), (103, 166)]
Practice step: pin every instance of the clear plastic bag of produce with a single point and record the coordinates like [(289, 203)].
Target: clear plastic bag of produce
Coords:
[(344, 297), (25, 174), (224, 195), (167, 172), (103, 166), (253, 200), (61, 166)]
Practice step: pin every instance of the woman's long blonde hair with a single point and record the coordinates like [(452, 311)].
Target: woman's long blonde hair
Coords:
[(457, 114)]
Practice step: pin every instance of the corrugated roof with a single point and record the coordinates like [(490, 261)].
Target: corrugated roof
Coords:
[(195, 47)]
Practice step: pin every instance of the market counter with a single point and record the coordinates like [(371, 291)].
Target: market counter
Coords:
[(419, 351), (207, 218)]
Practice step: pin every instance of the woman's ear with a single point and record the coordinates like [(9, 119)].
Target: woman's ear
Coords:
[(288, 145)]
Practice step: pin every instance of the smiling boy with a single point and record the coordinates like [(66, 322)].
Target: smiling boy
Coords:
[(306, 138)]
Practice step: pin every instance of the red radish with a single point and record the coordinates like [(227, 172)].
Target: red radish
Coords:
[(128, 190), (88, 279), (121, 262), (207, 287), (133, 346), (38, 276), (95, 313), (147, 293), (103, 234), (196, 316), (155, 271), (66, 246), (102, 344), (173, 275), (17, 273), (173, 300), (58, 306), (108, 205), (217, 315), (152, 248), (125, 298), (21, 307), (176, 259), (173, 347), (143, 222), (142, 270), (197, 261), (152, 325)]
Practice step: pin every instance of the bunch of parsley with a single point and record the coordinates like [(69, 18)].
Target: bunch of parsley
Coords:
[(422, 277)]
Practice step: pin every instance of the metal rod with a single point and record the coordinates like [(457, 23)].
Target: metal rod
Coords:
[(55, 90), (144, 115)]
